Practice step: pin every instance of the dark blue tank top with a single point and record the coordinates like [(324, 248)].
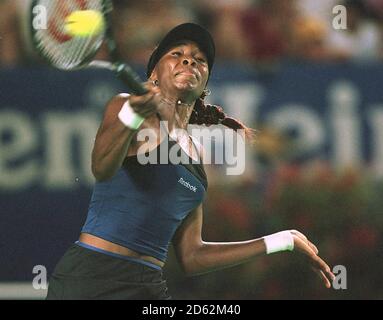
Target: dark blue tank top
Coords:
[(142, 205)]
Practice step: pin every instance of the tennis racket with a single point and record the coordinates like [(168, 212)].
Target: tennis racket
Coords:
[(67, 52)]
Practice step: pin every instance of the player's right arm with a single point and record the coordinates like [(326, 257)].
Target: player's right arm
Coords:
[(113, 138)]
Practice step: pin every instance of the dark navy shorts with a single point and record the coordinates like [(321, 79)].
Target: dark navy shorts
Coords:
[(85, 274)]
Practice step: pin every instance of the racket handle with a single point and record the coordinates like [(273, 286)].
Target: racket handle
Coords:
[(130, 78)]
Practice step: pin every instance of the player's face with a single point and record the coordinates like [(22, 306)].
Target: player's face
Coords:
[(183, 71)]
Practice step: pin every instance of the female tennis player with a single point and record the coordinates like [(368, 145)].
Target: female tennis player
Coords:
[(137, 210)]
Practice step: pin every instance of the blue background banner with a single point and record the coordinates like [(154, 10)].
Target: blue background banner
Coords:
[(49, 118)]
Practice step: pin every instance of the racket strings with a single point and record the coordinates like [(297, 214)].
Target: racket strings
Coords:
[(88, 41), (72, 52), (83, 43)]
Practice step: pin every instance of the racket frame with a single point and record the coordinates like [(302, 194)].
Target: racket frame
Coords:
[(107, 8)]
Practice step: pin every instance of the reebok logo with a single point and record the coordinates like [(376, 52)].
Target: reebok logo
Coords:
[(187, 185)]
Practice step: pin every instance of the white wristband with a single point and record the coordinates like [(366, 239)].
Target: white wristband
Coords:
[(280, 241), (129, 118)]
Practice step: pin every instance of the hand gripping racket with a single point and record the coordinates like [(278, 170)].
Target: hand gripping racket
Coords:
[(68, 52)]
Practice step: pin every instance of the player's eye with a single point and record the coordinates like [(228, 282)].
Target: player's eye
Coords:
[(176, 53)]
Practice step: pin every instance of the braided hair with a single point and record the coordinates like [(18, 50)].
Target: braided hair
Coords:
[(208, 114)]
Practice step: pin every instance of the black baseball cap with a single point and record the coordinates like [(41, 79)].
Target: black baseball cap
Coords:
[(185, 31)]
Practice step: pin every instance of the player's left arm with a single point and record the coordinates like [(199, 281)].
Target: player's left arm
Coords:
[(197, 256)]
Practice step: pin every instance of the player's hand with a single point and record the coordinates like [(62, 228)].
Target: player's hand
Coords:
[(147, 104), (306, 247)]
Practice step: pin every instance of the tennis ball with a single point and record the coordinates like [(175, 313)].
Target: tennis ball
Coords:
[(84, 23)]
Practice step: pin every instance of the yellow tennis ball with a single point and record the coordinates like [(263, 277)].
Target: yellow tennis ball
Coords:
[(84, 23)]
